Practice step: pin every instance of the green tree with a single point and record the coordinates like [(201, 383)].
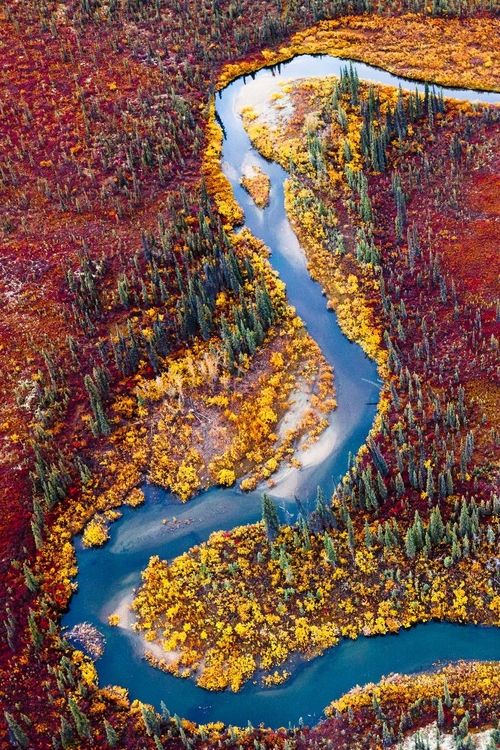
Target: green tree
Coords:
[(99, 424), (446, 694), (368, 535), (440, 713), (82, 724), (35, 634), (111, 734), (30, 579), (16, 732), (436, 526), (66, 733), (410, 546), (270, 517), (331, 555)]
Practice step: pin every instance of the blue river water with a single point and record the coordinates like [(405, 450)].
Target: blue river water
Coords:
[(108, 576)]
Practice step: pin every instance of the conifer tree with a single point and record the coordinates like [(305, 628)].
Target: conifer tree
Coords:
[(436, 526), (440, 713), (368, 535), (66, 733), (99, 424), (82, 724), (111, 734), (324, 512), (270, 517), (350, 534), (150, 720), (35, 634), (32, 582), (17, 733), (446, 694), (418, 531), (410, 546), (331, 555)]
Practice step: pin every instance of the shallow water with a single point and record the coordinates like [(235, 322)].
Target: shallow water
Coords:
[(108, 576)]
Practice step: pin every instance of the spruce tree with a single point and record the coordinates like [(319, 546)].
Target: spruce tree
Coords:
[(324, 512), (410, 546), (30, 579), (99, 424), (368, 535), (436, 526), (446, 694), (111, 735), (150, 720), (331, 555), (66, 733), (17, 734), (418, 531), (35, 634), (440, 713), (429, 488), (82, 724), (270, 517)]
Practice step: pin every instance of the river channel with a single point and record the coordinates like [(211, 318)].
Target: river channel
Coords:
[(107, 576)]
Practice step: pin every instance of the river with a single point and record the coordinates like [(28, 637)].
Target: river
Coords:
[(107, 576)]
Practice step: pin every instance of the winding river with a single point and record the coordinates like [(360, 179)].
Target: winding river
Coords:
[(107, 576)]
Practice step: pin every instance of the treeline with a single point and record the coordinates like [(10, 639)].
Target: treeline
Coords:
[(277, 14), (183, 286), (159, 133), (179, 274), (426, 450), (379, 128), (469, 524)]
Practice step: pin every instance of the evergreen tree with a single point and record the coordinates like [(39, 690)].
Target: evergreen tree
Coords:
[(82, 724), (99, 424), (436, 526), (446, 694), (66, 733), (150, 720), (365, 206), (270, 517), (368, 535), (35, 634), (410, 545), (418, 531), (440, 713), (30, 579), (378, 458), (124, 290), (399, 484), (429, 489), (37, 534), (16, 732), (324, 512), (331, 555), (381, 487), (111, 735), (304, 532), (465, 521)]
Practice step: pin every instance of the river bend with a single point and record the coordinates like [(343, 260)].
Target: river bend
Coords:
[(107, 576)]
